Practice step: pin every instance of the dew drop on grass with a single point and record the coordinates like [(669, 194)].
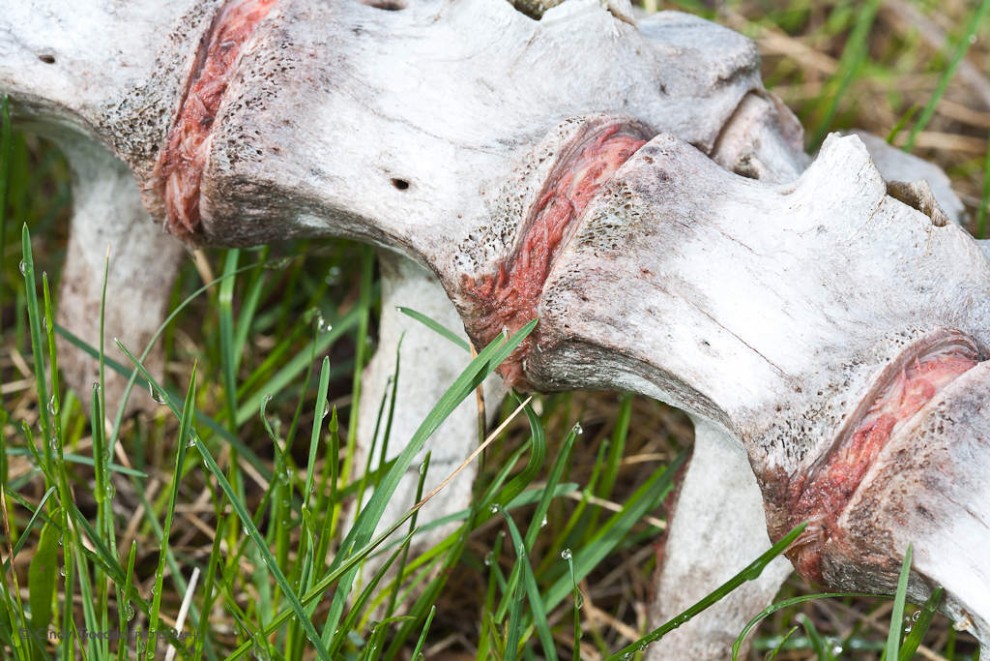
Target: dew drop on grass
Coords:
[(44, 322), (129, 612), (260, 652), (61, 571), (23, 268), (495, 508), (156, 395), (544, 522), (488, 559), (322, 325), (278, 264), (566, 554), (326, 409), (191, 443), (110, 490), (53, 405), (578, 429)]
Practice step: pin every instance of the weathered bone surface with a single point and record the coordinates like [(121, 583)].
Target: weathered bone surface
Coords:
[(425, 368), (785, 315), (108, 220), (719, 510)]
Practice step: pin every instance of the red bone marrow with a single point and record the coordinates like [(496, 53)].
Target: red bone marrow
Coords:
[(823, 494), (179, 170), (507, 299)]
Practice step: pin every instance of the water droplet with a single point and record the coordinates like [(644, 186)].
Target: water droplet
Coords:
[(53, 444), (837, 649), (322, 325), (333, 275), (488, 559), (578, 429), (61, 572), (53, 405), (156, 395), (326, 409), (44, 322), (110, 490), (191, 443), (422, 468), (129, 612), (23, 268), (96, 389), (285, 477), (566, 554), (544, 522), (916, 616), (260, 651), (495, 508), (278, 264)]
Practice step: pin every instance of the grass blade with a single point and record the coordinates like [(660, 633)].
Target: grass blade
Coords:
[(966, 39), (787, 603), (750, 573), (42, 577), (893, 648), (484, 364), (185, 432), (922, 621), (436, 327)]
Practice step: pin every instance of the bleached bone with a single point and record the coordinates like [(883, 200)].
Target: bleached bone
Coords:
[(715, 508), (426, 364), (720, 515), (108, 220), (465, 137)]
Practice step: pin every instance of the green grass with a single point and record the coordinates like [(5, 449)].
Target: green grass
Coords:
[(243, 475)]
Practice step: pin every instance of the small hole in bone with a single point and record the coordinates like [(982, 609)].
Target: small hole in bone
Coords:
[(400, 184), (47, 58), (387, 5)]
